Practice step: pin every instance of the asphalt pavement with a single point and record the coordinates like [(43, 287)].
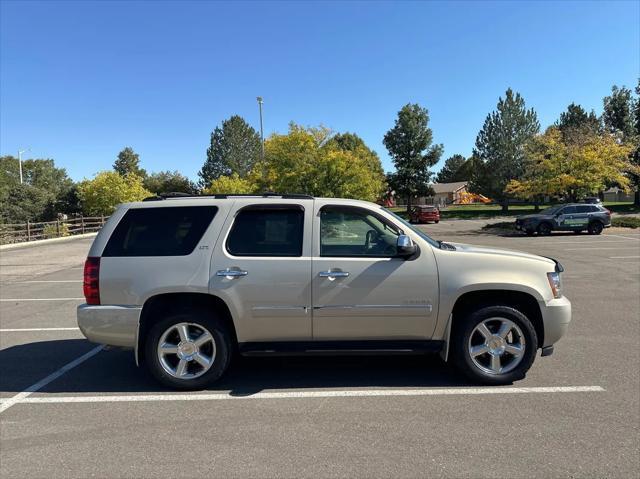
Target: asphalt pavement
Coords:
[(71, 409)]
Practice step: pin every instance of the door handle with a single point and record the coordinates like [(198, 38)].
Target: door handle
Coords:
[(333, 274), (231, 273)]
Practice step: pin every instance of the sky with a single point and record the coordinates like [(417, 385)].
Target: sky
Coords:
[(79, 81)]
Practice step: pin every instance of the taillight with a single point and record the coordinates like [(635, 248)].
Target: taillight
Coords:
[(608, 211), (91, 283)]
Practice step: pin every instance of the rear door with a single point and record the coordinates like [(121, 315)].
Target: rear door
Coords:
[(261, 267), (580, 220), (361, 290), (564, 219)]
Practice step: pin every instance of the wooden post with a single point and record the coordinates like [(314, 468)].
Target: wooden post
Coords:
[(28, 231), (101, 220), (57, 228), (82, 223)]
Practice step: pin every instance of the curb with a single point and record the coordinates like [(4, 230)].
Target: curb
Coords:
[(29, 244)]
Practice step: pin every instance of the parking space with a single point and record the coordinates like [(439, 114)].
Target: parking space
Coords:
[(576, 414)]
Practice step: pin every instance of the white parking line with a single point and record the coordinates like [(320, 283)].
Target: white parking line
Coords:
[(52, 281), (623, 257), (20, 330), (21, 300), (7, 403), (309, 394), (587, 249)]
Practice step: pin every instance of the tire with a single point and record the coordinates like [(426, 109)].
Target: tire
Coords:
[(168, 331), (437, 221), (544, 229), (577, 232), (482, 368), (529, 232), (595, 228)]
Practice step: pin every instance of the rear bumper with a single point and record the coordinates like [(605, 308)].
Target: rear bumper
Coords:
[(112, 325), (556, 316)]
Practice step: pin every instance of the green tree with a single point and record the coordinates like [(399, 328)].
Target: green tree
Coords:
[(232, 184), (456, 168), (356, 145), (618, 114), (500, 147), (234, 148), (409, 143), (22, 203), (576, 122), (108, 189), (169, 182), (306, 160), (128, 162)]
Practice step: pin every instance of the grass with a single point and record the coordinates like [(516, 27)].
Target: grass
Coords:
[(491, 211), (623, 222)]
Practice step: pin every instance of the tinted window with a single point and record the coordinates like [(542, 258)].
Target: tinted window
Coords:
[(170, 231), (267, 232), (355, 232), (568, 210), (586, 209)]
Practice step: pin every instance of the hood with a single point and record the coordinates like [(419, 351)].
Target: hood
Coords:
[(467, 248)]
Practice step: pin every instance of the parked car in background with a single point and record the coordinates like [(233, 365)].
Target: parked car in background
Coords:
[(189, 282), (576, 217), (593, 200), (424, 214)]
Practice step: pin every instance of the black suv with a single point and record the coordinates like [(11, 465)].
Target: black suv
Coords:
[(574, 217)]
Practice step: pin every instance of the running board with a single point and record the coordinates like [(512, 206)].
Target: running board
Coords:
[(339, 348)]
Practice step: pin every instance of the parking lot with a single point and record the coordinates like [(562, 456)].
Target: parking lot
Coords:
[(70, 408)]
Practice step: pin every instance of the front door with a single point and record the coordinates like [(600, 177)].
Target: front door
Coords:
[(361, 290), (261, 268)]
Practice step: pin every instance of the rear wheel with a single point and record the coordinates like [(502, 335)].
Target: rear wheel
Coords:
[(188, 350), (595, 228), (544, 229), (494, 345), (437, 221), (529, 232), (577, 231)]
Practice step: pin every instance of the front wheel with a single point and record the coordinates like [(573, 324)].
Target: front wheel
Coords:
[(188, 350), (544, 229), (494, 345)]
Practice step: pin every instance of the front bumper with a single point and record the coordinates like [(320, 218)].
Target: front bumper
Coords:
[(556, 316), (112, 325)]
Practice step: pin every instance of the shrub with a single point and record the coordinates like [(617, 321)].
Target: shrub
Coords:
[(626, 222)]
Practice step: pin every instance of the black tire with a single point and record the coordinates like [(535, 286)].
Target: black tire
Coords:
[(460, 343), (595, 228), (577, 231), (544, 229), (529, 232), (207, 321), (437, 221)]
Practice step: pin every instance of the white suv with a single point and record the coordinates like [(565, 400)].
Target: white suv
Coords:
[(188, 282)]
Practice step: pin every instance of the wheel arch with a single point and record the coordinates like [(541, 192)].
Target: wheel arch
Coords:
[(170, 303), (469, 301)]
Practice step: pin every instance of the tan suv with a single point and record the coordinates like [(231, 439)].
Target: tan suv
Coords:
[(188, 282)]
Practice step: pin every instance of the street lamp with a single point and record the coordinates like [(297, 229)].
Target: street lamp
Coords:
[(20, 152), (261, 131)]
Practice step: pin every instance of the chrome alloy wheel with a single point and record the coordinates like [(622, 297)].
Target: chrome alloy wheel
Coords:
[(186, 350), (496, 346)]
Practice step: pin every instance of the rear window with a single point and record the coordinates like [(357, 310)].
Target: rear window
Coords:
[(587, 209), (267, 232), (172, 231)]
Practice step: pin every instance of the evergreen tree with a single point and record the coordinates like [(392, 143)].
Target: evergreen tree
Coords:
[(500, 147), (128, 162), (453, 170)]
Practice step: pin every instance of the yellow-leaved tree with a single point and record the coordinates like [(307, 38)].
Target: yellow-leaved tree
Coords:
[(108, 189), (572, 169), (232, 184)]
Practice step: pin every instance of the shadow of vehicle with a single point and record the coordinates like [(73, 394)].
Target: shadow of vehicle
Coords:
[(114, 371)]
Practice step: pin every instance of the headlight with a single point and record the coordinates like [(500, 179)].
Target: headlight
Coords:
[(556, 285)]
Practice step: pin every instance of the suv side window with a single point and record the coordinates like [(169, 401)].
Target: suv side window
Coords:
[(263, 231), (586, 209), (355, 232), (568, 210), (167, 231)]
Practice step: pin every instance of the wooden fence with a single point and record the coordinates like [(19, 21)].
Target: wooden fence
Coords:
[(31, 231)]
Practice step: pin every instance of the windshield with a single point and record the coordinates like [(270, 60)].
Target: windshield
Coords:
[(420, 233), (551, 210)]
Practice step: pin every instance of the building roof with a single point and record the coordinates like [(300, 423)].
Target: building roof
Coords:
[(449, 187)]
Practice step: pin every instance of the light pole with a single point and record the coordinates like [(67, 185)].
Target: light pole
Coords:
[(261, 131), (20, 152)]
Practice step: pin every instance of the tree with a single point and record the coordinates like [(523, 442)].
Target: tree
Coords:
[(353, 143), (618, 114), (456, 168), (232, 184), (573, 170), (409, 144), (108, 189), (169, 182), (128, 162), (307, 160), (576, 122), (500, 147), (234, 148), (54, 190), (635, 158)]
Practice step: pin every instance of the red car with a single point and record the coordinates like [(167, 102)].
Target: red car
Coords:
[(424, 214)]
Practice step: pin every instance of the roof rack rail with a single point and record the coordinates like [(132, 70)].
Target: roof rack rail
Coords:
[(220, 196)]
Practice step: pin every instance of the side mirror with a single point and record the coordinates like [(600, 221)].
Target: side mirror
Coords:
[(405, 246)]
